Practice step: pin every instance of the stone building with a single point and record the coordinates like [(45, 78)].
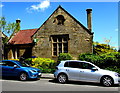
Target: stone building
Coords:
[(60, 33)]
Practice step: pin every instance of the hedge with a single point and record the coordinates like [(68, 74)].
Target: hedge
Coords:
[(110, 61), (45, 64), (64, 56)]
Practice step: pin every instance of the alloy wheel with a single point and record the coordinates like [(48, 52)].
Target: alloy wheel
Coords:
[(107, 81), (62, 78), (23, 76)]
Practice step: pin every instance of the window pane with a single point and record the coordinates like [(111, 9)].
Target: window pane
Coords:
[(74, 64), (55, 53), (8, 63), (60, 47), (87, 66), (65, 47), (66, 64), (59, 39), (65, 39), (55, 49), (54, 39)]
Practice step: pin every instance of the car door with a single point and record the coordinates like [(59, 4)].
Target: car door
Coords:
[(72, 70), (87, 74), (8, 69)]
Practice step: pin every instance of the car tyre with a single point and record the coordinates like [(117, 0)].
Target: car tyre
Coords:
[(62, 78), (107, 81), (23, 76)]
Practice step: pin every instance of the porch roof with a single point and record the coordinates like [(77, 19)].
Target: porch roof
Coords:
[(23, 37)]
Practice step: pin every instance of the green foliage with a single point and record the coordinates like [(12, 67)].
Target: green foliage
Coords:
[(113, 68), (4, 40), (109, 60), (8, 28), (64, 56), (2, 23), (99, 48), (45, 64), (95, 59), (28, 61), (17, 27)]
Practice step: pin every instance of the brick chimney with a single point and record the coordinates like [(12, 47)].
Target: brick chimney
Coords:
[(89, 19), (18, 20)]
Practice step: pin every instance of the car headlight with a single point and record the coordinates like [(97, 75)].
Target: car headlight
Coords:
[(33, 71)]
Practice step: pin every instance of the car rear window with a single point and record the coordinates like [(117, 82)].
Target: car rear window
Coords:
[(72, 64)]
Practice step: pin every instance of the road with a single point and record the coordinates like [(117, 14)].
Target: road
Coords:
[(47, 84)]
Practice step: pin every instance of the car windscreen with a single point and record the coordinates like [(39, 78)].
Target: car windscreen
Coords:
[(23, 64)]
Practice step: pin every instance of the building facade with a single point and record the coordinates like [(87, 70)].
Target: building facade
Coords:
[(60, 33)]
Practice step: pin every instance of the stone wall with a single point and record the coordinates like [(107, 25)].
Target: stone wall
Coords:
[(80, 39)]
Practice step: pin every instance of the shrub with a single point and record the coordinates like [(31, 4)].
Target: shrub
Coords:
[(64, 56), (28, 60), (113, 68), (106, 60), (97, 60), (45, 64), (111, 59)]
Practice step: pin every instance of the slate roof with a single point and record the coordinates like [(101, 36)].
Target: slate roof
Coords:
[(23, 37)]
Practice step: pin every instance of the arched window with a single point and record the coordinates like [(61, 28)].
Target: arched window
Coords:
[(60, 20)]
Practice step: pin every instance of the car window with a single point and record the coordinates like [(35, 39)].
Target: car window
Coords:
[(87, 66), (23, 64), (82, 65), (8, 63), (66, 64), (72, 64), (2, 63)]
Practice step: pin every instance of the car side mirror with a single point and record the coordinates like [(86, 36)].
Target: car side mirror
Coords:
[(94, 69)]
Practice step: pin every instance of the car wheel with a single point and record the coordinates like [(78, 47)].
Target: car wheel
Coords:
[(62, 78), (23, 76), (107, 81)]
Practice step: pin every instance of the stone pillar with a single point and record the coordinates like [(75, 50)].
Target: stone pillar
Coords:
[(16, 53), (89, 19)]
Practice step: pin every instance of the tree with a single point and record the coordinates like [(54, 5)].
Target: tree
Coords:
[(99, 48), (2, 23), (8, 28)]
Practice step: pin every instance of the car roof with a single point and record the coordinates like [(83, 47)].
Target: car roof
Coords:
[(75, 60), (15, 61)]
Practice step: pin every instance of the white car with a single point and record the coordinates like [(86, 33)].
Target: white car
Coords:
[(84, 71)]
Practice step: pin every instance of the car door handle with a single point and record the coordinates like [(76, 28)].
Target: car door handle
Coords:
[(67, 69), (81, 71)]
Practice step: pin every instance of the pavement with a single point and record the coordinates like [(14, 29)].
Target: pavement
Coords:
[(47, 75)]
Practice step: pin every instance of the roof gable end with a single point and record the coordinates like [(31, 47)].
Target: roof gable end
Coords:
[(60, 7)]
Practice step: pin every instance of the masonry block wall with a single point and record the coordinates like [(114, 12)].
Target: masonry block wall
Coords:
[(61, 23)]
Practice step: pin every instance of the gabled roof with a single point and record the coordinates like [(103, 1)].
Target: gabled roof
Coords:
[(23, 37), (71, 17)]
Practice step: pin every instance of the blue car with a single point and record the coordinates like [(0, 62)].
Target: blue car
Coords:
[(19, 69)]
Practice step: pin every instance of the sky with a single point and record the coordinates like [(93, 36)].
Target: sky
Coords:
[(34, 14)]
